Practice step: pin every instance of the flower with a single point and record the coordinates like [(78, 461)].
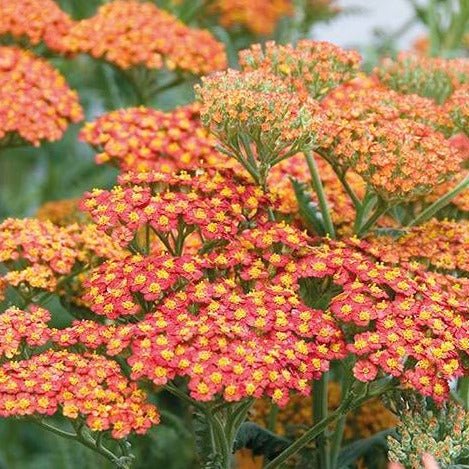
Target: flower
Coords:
[(258, 16), (38, 20), (386, 138), (311, 67), (38, 255), (75, 385), (257, 119), (432, 77), (35, 101), (129, 33), (438, 244), (61, 212), (143, 139), (211, 205)]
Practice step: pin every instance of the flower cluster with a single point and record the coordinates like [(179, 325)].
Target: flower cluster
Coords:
[(129, 33), (387, 138), (257, 119), (61, 212), (35, 101), (258, 16), (442, 432), (310, 68), (174, 206), (38, 20), (197, 311), (143, 139), (19, 328), (432, 77), (231, 320), (442, 245), (76, 385), (38, 254), (417, 333)]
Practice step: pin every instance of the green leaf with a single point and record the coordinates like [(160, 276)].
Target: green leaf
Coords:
[(350, 453), (260, 440)]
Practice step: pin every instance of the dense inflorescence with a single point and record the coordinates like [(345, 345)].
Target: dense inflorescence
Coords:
[(387, 138), (35, 101), (129, 33), (84, 385), (442, 245), (143, 139), (38, 20), (408, 326), (257, 119), (38, 255), (310, 68), (432, 77), (213, 205), (258, 16)]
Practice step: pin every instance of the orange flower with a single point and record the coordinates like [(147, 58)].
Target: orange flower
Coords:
[(129, 33), (35, 101), (258, 16), (38, 20)]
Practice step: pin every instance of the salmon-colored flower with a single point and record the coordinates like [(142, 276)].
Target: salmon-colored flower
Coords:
[(38, 20), (143, 139), (35, 102)]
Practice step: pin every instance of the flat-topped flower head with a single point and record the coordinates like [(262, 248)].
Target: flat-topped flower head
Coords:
[(432, 77), (144, 139), (387, 138), (209, 205), (366, 98), (36, 103), (129, 33), (310, 67), (75, 385), (260, 17), (37, 255), (437, 244), (38, 20)]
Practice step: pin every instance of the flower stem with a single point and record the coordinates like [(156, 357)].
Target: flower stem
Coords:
[(320, 413), (440, 203), (319, 189)]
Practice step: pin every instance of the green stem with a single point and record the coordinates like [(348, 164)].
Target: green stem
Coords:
[(337, 441), (308, 436), (320, 413), (381, 209), (319, 189), (349, 403), (463, 391), (440, 203), (272, 417), (88, 442)]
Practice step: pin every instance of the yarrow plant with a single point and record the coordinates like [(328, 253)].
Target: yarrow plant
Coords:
[(275, 234), (35, 102)]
